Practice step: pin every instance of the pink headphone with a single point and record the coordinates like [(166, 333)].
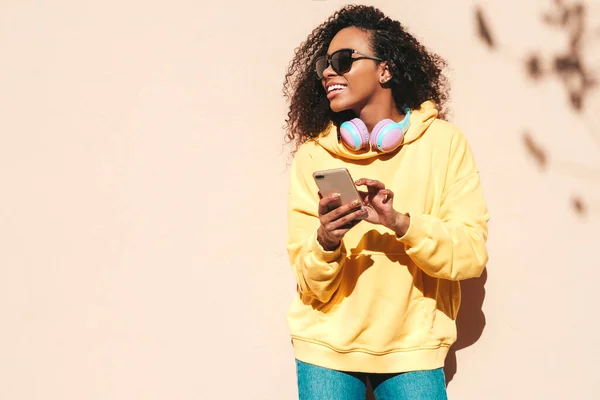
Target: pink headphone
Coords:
[(387, 135)]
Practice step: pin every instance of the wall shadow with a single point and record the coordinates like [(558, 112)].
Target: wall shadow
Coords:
[(535, 151), (484, 33), (569, 66), (470, 321), (578, 78)]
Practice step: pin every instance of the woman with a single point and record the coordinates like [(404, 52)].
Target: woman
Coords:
[(378, 289)]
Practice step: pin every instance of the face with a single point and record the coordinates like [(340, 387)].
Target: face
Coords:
[(357, 87)]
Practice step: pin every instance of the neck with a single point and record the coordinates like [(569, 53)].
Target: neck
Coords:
[(376, 111)]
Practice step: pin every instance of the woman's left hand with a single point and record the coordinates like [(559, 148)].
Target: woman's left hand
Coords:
[(379, 203)]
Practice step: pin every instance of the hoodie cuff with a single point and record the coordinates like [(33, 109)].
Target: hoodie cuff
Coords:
[(416, 232), (325, 255)]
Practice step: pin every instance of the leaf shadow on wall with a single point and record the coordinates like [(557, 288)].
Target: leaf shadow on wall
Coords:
[(540, 158), (569, 66), (577, 78)]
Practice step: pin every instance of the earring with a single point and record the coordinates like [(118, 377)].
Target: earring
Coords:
[(383, 80)]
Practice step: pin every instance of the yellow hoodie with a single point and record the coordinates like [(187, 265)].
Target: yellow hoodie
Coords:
[(382, 303)]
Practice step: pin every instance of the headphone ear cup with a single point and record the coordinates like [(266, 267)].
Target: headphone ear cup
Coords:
[(387, 135), (354, 134)]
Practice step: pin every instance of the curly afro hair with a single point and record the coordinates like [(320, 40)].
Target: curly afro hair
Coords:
[(416, 72)]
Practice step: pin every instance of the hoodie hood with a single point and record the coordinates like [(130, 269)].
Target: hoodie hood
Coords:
[(419, 122)]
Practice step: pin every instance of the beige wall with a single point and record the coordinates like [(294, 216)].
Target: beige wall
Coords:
[(144, 183)]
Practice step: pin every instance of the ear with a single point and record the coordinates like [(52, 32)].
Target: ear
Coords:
[(384, 73)]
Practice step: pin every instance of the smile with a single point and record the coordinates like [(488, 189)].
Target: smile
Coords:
[(335, 87)]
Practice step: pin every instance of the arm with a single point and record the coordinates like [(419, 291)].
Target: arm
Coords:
[(316, 270), (451, 245)]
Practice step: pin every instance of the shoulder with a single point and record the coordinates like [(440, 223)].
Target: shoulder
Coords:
[(307, 151), (447, 134), (443, 128)]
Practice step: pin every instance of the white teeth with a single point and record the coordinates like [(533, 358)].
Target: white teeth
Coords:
[(335, 87)]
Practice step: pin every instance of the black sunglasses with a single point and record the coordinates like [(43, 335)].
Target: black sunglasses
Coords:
[(340, 61)]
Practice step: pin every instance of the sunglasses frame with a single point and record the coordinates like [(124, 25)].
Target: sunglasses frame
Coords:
[(328, 57)]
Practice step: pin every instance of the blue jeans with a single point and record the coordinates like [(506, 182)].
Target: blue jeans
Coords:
[(318, 383)]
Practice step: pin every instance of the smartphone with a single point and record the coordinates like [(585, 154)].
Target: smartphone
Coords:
[(337, 180)]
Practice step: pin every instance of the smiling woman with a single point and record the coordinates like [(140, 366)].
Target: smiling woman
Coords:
[(378, 292), (412, 73)]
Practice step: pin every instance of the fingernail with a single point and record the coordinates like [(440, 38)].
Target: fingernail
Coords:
[(335, 195), (369, 181), (355, 202)]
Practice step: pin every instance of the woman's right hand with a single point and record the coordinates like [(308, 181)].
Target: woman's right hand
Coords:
[(335, 222)]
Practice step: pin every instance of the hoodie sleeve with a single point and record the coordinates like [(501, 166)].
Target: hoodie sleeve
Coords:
[(452, 245), (316, 270)]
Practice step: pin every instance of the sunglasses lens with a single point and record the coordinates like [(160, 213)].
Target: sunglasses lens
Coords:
[(320, 66), (341, 61)]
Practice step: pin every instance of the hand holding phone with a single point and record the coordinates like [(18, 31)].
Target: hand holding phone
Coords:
[(337, 181), (340, 207)]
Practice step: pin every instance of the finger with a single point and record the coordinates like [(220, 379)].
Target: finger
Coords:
[(326, 204), (341, 232), (361, 181), (348, 220), (348, 208), (389, 195), (340, 211), (373, 185)]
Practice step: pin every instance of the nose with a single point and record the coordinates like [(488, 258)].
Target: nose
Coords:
[(328, 72)]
